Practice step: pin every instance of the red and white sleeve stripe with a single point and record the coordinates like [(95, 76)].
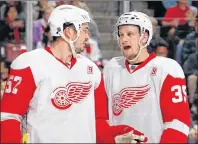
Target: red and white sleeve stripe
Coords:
[(175, 110), (18, 92)]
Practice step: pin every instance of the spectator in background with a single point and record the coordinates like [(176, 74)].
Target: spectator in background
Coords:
[(17, 4), (16, 27), (174, 17), (4, 30), (41, 36), (92, 50), (183, 30), (40, 6), (189, 26), (61, 2), (172, 3), (189, 45), (193, 134), (4, 76), (162, 51), (157, 44), (191, 70), (81, 4), (191, 16), (191, 63)]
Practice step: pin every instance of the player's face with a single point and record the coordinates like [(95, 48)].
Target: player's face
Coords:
[(129, 39), (82, 39)]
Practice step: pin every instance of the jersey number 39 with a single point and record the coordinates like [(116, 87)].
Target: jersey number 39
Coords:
[(179, 93), (12, 83)]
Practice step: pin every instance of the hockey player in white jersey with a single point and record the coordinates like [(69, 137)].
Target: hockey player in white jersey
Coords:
[(145, 91), (62, 92)]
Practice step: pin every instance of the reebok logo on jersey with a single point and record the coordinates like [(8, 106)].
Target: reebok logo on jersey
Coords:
[(90, 70), (128, 97), (73, 93), (153, 72)]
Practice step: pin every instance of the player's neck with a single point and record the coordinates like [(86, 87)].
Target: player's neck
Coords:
[(143, 56), (62, 51)]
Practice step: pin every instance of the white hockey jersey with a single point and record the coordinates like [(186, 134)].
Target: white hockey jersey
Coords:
[(151, 98), (60, 100)]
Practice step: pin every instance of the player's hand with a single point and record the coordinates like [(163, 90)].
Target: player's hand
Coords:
[(130, 137), (127, 134)]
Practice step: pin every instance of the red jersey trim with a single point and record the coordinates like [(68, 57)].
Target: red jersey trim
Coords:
[(151, 56), (101, 101), (73, 60)]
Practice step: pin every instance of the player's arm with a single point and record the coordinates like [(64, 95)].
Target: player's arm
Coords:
[(103, 131), (18, 92), (175, 108)]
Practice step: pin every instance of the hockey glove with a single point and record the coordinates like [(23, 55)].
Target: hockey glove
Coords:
[(127, 134)]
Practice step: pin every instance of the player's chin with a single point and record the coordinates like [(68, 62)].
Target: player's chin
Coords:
[(127, 53), (129, 56)]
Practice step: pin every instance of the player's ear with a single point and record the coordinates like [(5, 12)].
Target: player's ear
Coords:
[(145, 37), (68, 32)]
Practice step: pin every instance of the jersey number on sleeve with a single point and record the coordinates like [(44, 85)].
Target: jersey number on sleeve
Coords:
[(179, 93), (10, 87)]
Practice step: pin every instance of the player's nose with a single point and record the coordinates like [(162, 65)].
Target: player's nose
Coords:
[(125, 40)]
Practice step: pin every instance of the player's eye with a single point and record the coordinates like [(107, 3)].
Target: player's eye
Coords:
[(86, 31), (121, 35), (130, 34)]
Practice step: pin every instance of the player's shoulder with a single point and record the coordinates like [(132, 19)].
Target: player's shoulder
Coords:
[(26, 59), (115, 62), (91, 67), (86, 61), (169, 66)]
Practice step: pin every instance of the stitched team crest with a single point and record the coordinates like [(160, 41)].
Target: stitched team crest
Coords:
[(128, 97), (73, 92)]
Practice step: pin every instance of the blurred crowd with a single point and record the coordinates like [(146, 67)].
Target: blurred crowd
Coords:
[(175, 36)]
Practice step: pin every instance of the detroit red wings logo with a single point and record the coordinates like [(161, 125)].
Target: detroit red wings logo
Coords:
[(128, 97), (74, 92)]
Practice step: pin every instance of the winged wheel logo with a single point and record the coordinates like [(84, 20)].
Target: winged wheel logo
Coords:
[(128, 97), (72, 93)]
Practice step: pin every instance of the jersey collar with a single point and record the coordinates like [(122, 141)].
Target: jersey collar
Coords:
[(73, 60), (151, 56)]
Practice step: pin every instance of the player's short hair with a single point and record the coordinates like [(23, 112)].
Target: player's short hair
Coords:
[(65, 25)]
